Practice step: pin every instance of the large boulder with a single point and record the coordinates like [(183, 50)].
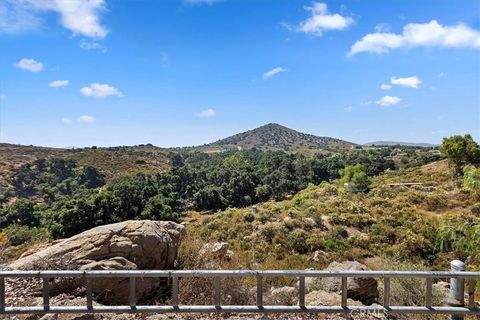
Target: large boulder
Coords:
[(128, 245), (358, 288)]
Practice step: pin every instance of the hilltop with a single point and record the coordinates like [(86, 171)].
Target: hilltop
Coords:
[(273, 136)]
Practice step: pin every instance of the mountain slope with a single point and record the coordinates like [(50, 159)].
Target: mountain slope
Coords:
[(407, 144), (276, 137)]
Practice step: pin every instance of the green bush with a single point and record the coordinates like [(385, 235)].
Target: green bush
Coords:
[(18, 235)]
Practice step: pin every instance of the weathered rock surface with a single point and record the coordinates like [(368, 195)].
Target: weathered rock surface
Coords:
[(358, 288), (216, 250), (128, 245), (283, 296)]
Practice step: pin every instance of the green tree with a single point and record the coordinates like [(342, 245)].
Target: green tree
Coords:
[(356, 178), (21, 212), (461, 151)]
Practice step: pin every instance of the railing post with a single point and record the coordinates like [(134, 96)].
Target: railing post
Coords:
[(46, 293), (259, 292), (89, 293), (457, 287), (132, 295), (471, 293), (301, 292), (2, 294), (386, 292), (217, 293), (428, 293), (344, 292), (175, 291)]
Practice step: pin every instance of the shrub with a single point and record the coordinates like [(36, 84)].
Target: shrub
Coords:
[(18, 235)]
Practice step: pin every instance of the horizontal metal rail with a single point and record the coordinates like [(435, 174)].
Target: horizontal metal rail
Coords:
[(237, 273), (259, 307)]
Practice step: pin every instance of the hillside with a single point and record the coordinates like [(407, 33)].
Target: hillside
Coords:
[(273, 136), (323, 223), (112, 162)]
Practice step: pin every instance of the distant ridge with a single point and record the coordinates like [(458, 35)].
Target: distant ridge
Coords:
[(397, 143), (273, 136)]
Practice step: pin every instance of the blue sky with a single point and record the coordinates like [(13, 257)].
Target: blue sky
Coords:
[(188, 72)]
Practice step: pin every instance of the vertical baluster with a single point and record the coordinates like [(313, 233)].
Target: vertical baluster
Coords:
[(46, 293), (386, 292), (2, 293), (471, 293), (175, 291), (301, 292), (259, 292), (132, 294), (344, 292), (217, 292), (89, 293), (428, 293)]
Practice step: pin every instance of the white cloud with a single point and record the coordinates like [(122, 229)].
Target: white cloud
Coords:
[(79, 16), (431, 34), (208, 113), (320, 21), (411, 82), (273, 72), (201, 1), (100, 90), (92, 45), (388, 101), (16, 17), (442, 75), (348, 109), (67, 121), (366, 103), (385, 86), (58, 84), (29, 65), (86, 119)]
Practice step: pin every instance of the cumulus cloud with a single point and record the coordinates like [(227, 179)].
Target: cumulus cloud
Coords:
[(86, 119), (320, 21), (58, 84), (30, 65), (208, 113), (348, 109), (431, 34), (67, 121), (100, 90), (79, 16), (273, 72), (411, 82), (385, 86), (388, 101)]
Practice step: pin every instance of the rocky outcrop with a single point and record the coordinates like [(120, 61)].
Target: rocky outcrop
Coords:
[(128, 245), (216, 250), (215, 255), (358, 288)]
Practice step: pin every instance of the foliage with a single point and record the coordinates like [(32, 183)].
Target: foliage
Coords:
[(461, 151), (18, 235), (355, 177), (471, 179)]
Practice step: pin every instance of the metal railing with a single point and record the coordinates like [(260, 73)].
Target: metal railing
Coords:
[(457, 279)]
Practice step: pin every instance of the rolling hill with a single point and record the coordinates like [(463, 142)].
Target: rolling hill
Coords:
[(273, 136)]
